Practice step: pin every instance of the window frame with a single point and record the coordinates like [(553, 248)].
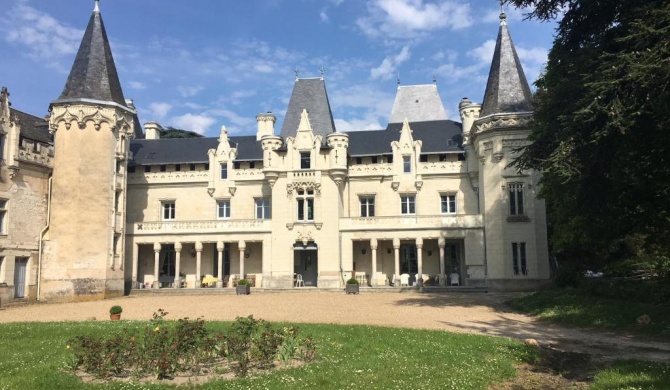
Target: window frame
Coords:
[(515, 191), (366, 205), (408, 204), (168, 213), (223, 208), (305, 206), (449, 203), (519, 258), (4, 213), (305, 160), (264, 205), (223, 171), (406, 164)]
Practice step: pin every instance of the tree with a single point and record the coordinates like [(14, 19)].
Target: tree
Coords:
[(171, 132), (601, 128)]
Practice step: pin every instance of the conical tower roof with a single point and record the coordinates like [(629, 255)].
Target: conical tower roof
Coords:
[(93, 75), (310, 95), (507, 90)]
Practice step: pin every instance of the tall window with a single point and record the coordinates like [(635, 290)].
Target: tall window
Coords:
[(224, 171), (448, 204), (147, 168), (407, 204), (516, 199), (2, 270), (305, 201), (305, 160), (263, 208), (223, 209), (168, 210), (367, 206), (519, 258), (2, 146), (3, 216), (406, 164)]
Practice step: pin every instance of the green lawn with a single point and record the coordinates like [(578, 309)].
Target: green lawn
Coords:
[(571, 306), (34, 356)]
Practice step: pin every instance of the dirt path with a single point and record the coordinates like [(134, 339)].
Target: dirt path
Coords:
[(465, 313)]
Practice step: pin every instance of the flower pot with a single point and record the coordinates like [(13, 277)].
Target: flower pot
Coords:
[(115, 317), (352, 288), (243, 289)]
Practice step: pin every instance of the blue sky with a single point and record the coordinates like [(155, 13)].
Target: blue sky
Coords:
[(201, 64)]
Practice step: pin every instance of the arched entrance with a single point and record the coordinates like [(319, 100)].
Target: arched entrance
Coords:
[(306, 262)]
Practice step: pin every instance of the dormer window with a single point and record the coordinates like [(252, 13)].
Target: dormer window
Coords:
[(224, 171), (305, 160), (406, 164)]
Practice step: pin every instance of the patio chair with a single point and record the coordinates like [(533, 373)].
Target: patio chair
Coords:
[(298, 280), (404, 280), (454, 279)]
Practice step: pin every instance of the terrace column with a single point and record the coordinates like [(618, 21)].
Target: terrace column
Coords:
[(136, 260), (242, 246), (220, 246), (157, 254), (396, 254), (198, 263), (373, 247), (419, 261), (443, 276), (177, 264)]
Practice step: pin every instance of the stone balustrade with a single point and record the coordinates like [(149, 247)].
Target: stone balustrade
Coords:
[(410, 222), (209, 226), (168, 177)]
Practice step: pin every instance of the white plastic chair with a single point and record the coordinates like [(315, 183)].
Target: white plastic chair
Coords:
[(298, 280), (404, 280), (454, 279)]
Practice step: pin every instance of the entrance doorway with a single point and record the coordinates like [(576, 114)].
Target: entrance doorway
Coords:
[(452, 260), (408, 262), (306, 263), (20, 268)]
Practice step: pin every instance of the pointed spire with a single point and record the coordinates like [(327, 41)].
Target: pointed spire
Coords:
[(311, 95), (93, 75), (97, 6), (507, 89), (304, 122)]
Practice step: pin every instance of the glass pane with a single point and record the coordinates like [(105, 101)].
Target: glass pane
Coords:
[(512, 201), (301, 210), (310, 209)]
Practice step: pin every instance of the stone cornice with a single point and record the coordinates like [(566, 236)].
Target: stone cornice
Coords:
[(81, 114)]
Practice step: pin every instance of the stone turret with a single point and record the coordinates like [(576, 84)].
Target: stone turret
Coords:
[(92, 125), (266, 125)]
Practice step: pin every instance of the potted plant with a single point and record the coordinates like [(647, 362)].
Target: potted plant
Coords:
[(115, 312), (352, 286), (243, 287)]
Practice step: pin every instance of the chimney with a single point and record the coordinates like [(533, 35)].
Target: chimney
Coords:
[(266, 124), (153, 130)]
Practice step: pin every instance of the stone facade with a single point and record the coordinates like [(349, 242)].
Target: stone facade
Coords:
[(101, 208)]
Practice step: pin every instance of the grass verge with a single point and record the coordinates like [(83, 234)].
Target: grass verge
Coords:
[(34, 356), (571, 306)]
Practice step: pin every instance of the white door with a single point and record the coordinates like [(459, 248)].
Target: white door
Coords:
[(20, 266)]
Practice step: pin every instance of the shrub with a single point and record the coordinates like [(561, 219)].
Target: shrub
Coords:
[(243, 282), (352, 281), (116, 309)]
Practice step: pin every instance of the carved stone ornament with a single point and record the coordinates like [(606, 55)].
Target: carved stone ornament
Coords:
[(497, 156), (85, 113), (305, 236), (231, 190), (502, 121), (395, 185), (210, 191), (418, 185), (482, 159), (305, 186)]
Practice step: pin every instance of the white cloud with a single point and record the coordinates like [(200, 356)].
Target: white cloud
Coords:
[(403, 19), (194, 122), (389, 65), (160, 109), (324, 16), (137, 85), (189, 90), (45, 38), (533, 61), (484, 52), (232, 117), (511, 13), (355, 124)]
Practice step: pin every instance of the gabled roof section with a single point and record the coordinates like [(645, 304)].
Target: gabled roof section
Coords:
[(190, 150), (417, 103), (310, 95), (33, 127), (507, 90), (93, 75), (436, 137)]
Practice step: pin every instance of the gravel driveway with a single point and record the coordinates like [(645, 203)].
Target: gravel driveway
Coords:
[(457, 312)]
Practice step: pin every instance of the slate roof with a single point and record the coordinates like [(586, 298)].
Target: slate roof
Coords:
[(436, 137), (417, 103), (93, 75), (309, 94), (190, 150), (507, 89), (33, 127)]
